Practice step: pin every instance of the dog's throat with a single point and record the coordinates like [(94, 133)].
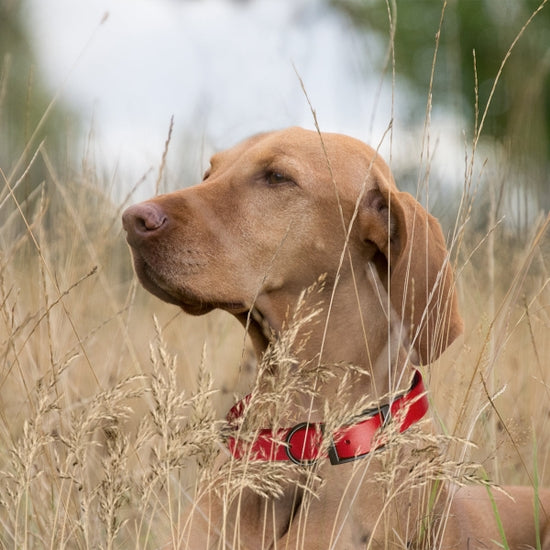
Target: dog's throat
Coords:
[(262, 323), (258, 328)]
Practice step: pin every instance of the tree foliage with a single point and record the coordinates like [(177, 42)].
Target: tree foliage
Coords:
[(519, 114), (26, 119)]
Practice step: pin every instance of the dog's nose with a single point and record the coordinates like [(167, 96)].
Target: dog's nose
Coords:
[(142, 220)]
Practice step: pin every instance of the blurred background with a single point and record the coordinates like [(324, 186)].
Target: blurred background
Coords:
[(117, 71), (104, 102)]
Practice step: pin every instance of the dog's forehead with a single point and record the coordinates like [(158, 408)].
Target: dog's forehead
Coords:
[(324, 146), (289, 143), (349, 160), (308, 144)]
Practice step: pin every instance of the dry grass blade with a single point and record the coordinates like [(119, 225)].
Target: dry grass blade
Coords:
[(102, 448)]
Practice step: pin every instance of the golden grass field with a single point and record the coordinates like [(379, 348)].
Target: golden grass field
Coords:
[(111, 402), (108, 397)]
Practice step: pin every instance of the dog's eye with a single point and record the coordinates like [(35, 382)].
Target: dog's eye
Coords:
[(206, 174), (274, 177)]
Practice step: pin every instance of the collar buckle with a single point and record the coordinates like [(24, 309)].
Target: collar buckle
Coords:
[(383, 410), (303, 444), (384, 414)]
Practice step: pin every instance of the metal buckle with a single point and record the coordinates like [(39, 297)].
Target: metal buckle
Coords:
[(291, 457), (385, 413)]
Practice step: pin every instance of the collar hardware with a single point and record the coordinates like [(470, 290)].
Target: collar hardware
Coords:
[(384, 415), (302, 444)]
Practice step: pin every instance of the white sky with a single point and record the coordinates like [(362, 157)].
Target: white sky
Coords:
[(223, 69)]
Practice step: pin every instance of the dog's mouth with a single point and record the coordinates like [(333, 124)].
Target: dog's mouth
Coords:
[(181, 296), (253, 320)]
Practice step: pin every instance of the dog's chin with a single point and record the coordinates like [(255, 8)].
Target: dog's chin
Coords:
[(190, 302)]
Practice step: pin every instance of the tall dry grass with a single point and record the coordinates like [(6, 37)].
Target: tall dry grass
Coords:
[(109, 415), (111, 403), (97, 430)]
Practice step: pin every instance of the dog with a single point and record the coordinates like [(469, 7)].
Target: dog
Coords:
[(271, 216)]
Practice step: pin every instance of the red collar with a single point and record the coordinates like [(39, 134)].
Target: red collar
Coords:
[(302, 443)]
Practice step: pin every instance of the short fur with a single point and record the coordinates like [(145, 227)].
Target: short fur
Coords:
[(272, 215)]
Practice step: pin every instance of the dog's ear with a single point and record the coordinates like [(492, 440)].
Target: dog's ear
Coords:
[(418, 274)]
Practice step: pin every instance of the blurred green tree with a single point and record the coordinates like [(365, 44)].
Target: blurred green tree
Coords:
[(25, 117), (519, 113)]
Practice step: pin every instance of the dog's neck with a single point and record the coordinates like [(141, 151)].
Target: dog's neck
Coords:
[(343, 333)]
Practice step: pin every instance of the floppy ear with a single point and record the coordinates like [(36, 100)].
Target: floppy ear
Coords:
[(420, 279)]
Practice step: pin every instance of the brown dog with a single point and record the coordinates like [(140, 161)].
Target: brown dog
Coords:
[(272, 215)]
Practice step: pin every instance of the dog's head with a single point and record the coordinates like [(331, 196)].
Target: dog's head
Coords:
[(277, 211)]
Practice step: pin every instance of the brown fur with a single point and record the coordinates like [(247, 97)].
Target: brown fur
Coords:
[(272, 215)]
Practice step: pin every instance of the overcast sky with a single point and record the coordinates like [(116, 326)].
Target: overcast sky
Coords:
[(223, 69)]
